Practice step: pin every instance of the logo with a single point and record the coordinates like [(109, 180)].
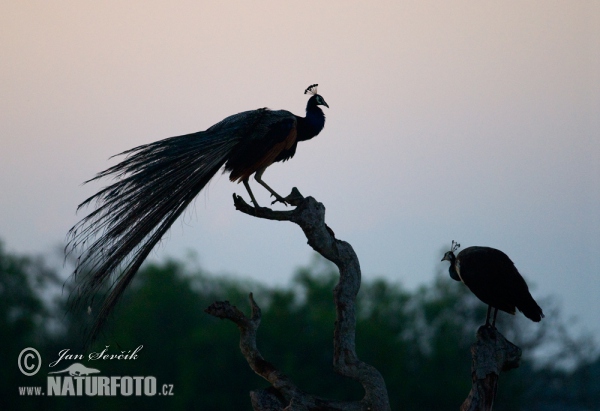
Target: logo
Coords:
[(78, 379), (27, 359), (76, 370), (79, 382)]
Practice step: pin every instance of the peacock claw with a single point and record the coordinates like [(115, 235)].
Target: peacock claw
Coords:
[(280, 200)]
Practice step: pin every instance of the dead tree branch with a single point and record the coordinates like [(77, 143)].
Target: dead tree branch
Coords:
[(492, 353), (284, 395)]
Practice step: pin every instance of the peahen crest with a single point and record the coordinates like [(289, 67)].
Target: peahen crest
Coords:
[(455, 246)]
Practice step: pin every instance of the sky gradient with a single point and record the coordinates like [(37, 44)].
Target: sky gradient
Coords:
[(470, 121)]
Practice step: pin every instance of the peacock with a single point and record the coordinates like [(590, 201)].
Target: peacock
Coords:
[(156, 182)]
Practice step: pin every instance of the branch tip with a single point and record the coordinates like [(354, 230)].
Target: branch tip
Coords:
[(255, 309)]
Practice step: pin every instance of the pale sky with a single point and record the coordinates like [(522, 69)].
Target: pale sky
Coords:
[(470, 121)]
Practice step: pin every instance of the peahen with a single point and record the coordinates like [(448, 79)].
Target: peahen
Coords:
[(157, 181), (494, 279)]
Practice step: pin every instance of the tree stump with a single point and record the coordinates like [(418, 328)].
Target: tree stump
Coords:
[(492, 353)]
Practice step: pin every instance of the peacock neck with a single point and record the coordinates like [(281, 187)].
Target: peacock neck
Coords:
[(312, 124)]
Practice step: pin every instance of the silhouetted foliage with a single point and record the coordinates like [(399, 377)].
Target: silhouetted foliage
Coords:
[(419, 341), (24, 319)]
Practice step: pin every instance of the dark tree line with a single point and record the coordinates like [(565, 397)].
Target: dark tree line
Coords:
[(419, 341)]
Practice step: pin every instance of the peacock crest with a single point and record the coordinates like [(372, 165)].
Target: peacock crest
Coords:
[(312, 89)]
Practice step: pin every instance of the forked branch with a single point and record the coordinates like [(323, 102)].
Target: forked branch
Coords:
[(284, 394)]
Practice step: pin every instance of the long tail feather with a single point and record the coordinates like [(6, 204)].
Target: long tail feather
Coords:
[(155, 183)]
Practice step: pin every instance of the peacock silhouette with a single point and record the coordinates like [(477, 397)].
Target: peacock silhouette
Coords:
[(156, 182)]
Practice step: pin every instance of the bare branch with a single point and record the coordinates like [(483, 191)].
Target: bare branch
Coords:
[(283, 389), (284, 395), (248, 328)]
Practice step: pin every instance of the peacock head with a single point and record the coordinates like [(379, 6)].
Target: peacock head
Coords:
[(316, 99), (449, 256)]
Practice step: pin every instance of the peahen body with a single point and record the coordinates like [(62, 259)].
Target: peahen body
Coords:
[(494, 279), (157, 181)]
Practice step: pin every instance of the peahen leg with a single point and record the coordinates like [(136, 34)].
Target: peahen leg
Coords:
[(245, 181), (495, 315), (257, 177), (487, 316)]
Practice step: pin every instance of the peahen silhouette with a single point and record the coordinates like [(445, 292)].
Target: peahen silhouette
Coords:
[(494, 279), (157, 181)]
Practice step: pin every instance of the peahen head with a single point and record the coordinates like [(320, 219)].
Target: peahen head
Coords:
[(449, 256), (316, 99)]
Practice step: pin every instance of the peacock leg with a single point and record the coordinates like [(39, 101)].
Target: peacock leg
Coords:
[(257, 177), (245, 181)]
